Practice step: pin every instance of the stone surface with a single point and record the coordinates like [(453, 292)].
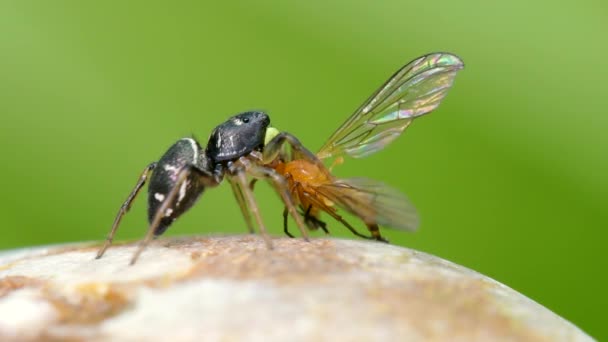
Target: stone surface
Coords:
[(233, 288)]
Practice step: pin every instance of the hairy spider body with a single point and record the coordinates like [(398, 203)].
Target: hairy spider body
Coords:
[(235, 151)]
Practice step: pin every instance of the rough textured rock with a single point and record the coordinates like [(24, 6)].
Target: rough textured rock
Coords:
[(233, 288)]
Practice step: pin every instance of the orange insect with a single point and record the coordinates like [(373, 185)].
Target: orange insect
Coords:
[(416, 89)]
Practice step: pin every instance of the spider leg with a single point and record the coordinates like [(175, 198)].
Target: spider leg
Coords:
[(273, 149), (280, 185), (124, 208), (238, 174), (182, 176), (240, 198), (252, 183)]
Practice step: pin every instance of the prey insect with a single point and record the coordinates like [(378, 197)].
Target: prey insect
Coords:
[(414, 90), (236, 150)]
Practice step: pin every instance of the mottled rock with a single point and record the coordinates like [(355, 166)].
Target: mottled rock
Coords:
[(234, 288)]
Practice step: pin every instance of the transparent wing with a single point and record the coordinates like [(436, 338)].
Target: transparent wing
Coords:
[(373, 202), (414, 90)]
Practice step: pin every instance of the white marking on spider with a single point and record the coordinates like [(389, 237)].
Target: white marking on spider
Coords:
[(169, 167), (159, 197), (194, 149), (237, 121), (182, 191), (168, 212)]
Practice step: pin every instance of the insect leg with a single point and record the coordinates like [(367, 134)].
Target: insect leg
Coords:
[(281, 187), (239, 174), (314, 220), (238, 194), (125, 207), (375, 230), (285, 229), (339, 218), (182, 176), (351, 228)]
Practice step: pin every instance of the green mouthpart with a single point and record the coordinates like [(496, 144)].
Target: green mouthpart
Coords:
[(271, 132)]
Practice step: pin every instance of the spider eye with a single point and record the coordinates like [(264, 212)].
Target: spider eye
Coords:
[(246, 120)]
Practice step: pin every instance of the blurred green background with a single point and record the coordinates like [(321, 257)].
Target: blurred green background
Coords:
[(509, 174)]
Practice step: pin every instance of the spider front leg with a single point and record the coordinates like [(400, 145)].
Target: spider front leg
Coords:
[(124, 208), (273, 149), (280, 185), (237, 173), (240, 198), (285, 212)]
